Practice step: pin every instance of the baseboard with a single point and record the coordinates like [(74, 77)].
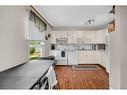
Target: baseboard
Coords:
[(110, 88), (63, 65), (95, 64), (101, 67)]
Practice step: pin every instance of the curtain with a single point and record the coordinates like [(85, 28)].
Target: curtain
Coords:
[(41, 25), (36, 28)]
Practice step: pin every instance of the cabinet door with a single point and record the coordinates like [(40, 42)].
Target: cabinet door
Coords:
[(94, 57), (73, 58), (80, 34), (75, 37), (91, 36), (79, 37), (99, 36), (70, 37), (85, 37), (103, 59), (105, 33), (64, 34), (89, 57), (58, 34), (61, 34), (82, 57)]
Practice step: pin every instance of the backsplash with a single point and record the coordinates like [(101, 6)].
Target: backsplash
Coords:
[(72, 47)]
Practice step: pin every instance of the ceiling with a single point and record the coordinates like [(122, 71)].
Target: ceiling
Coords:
[(75, 17)]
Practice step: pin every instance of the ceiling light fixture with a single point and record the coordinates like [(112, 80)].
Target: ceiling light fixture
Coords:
[(90, 21)]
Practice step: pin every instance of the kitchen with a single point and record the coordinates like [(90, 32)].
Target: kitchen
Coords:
[(61, 51), (80, 47), (62, 47)]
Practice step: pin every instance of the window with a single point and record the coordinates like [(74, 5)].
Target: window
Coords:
[(35, 36), (35, 49)]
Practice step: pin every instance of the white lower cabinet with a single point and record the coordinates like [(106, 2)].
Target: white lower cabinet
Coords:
[(89, 57), (105, 60), (81, 57), (73, 58)]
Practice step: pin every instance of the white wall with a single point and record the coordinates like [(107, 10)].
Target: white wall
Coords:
[(118, 75), (123, 44), (13, 43), (115, 60), (47, 46)]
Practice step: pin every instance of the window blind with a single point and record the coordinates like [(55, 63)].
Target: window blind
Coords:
[(41, 25), (36, 27)]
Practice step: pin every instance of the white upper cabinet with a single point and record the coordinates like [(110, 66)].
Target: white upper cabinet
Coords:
[(81, 37), (80, 34), (89, 36), (70, 37), (85, 37), (100, 36), (75, 37), (60, 34)]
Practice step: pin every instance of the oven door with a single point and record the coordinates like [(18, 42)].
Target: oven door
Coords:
[(63, 55), (62, 58)]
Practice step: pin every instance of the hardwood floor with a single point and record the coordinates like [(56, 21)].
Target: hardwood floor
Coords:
[(75, 79)]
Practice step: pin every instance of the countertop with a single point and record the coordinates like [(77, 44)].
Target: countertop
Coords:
[(24, 76)]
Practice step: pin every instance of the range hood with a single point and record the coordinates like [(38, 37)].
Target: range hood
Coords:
[(61, 40)]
